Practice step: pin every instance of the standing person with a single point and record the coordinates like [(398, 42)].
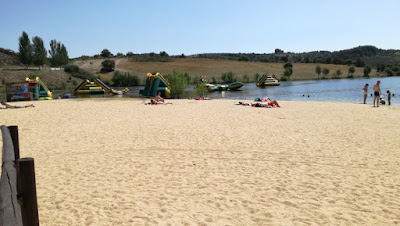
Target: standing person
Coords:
[(365, 92), (377, 93), (389, 95)]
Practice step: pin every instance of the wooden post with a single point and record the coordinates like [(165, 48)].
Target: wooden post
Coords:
[(14, 136), (26, 189), (10, 211)]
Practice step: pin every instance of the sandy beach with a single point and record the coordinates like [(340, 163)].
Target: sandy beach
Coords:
[(121, 162)]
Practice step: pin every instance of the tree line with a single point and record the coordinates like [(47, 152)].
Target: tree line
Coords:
[(35, 53), (359, 56)]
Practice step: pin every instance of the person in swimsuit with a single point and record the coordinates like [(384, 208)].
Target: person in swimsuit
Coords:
[(158, 98), (15, 106), (389, 95), (377, 93), (365, 93)]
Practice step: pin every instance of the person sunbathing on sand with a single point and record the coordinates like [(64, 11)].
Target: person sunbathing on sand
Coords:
[(158, 98), (153, 102), (272, 103), (15, 106)]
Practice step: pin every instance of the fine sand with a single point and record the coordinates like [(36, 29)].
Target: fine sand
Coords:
[(211, 162)]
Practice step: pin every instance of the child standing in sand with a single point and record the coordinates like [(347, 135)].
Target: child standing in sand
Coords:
[(365, 92), (389, 95)]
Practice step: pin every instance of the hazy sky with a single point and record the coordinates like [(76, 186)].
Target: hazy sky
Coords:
[(87, 27)]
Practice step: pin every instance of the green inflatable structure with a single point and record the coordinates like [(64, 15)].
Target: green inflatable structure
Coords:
[(154, 84)]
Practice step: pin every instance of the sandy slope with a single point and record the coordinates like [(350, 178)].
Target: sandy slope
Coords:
[(120, 162)]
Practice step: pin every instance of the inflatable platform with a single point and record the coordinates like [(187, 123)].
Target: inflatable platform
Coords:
[(17, 91), (154, 84), (268, 80), (96, 86), (218, 87)]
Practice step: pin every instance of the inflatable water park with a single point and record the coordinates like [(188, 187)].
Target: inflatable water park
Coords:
[(154, 84), (30, 89), (268, 80), (219, 87), (96, 86)]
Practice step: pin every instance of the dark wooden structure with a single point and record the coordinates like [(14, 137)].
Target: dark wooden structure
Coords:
[(18, 200)]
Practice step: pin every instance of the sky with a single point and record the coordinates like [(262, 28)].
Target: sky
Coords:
[(86, 27)]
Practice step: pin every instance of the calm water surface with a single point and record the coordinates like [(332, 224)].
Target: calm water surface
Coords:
[(336, 90)]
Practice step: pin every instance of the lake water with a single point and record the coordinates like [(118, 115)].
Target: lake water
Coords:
[(336, 90)]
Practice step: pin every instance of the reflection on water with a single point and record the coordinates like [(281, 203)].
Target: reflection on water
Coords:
[(338, 90)]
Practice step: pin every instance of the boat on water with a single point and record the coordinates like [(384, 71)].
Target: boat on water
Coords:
[(268, 80)]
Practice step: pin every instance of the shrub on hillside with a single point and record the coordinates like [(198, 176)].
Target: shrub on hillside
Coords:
[(288, 71), (256, 77), (228, 77), (286, 65), (246, 78), (367, 70), (76, 72), (389, 71), (71, 68), (108, 65), (178, 83), (126, 79), (201, 89), (284, 78)]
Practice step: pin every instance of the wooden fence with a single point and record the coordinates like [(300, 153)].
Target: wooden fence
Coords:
[(18, 200)]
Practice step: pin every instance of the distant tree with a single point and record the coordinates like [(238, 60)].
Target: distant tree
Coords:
[(389, 71), (306, 60), (264, 59), (108, 66), (367, 70), (288, 65), (58, 53), (25, 49), (129, 54), (336, 60), (39, 51), (53, 51), (152, 54), (318, 70), (105, 53), (288, 71), (278, 51), (178, 83), (351, 70), (359, 63), (328, 60), (63, 55), (182, 56), (120, 55), (244, 58), (337, 74), (84, 57), (285, 58), (325, 71), (164, 54)]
